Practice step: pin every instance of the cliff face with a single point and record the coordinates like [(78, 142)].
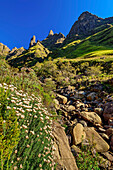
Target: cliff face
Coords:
[(53, 40), (4, 50), (86, 25)]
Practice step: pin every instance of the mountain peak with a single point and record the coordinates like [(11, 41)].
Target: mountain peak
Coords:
[(85, 24), (50, 33)]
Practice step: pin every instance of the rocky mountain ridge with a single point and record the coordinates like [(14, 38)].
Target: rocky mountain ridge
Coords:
[(86, 25)]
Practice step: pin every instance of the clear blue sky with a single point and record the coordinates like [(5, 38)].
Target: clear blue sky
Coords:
[(21, 19)]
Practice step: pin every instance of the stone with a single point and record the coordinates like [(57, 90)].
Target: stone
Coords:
[(79, 94), (71, 108), (61, 99), (111, 143), (62, 155), (33, 41), (56, 104), (75, 150), (109, 131), (91, 96), (104, 136), (110, 121), (91, 117), (78, 134), (108, 156), (79, 104), (83, 123), (100, 144), (108, 111), (99, 111)]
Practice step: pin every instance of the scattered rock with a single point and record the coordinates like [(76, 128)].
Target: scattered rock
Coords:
[(91, 96), (98, 111), (61, 99), (108, 111), (91, 117), (95, 138), (56, 104)]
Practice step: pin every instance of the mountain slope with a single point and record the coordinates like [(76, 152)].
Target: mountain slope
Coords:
[(30, 57), (100, 41)]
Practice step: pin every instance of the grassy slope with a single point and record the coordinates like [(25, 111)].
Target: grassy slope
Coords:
[(33, 55), (96, 45)]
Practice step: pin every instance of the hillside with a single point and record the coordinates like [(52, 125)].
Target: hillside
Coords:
[(56, 100)]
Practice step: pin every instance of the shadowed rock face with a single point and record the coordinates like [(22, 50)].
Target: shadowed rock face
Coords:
[(15, 52), (53, 40), (86, 24)]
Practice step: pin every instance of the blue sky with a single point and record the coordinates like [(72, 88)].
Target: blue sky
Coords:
[(21, 19)]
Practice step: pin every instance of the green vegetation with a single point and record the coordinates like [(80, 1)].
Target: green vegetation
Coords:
[(30, 145)]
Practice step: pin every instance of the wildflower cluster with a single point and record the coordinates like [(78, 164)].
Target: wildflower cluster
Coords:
[(34, 148)]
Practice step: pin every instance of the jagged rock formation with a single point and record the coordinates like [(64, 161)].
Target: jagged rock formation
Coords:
[(30, 57), (86, 24), (4, 50), (15, 52), (33, 41), (53, 40)]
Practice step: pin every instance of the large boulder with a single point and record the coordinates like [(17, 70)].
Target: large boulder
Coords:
[(62, 156), (78, 134), (100, 144), (91, 117)]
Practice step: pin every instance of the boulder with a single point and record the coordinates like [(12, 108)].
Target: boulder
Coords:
[(111, 143), (91, 96), (62, 156), (56, 104), (108, 111), (99, 111), (109, 131), (61, 99), (78, 134), (91, 117), (79, 94), (100, 144), (71, 108)]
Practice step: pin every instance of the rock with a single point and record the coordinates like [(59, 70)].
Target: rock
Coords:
[(109, 131), (94, 138), (53, 40), (110, 121), (79, 94), (56, 104), (62, 156), (91, 117), (50, 33), (104, 136), (104, 163), (4, 50), (108, 156), (79, 104), (108, 111), (33, 41), (111, 143), (83, 123), (91, 96), (85, 24), (75, 150), (78, 134), (61, 99), (98, 111), (71, 108)]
